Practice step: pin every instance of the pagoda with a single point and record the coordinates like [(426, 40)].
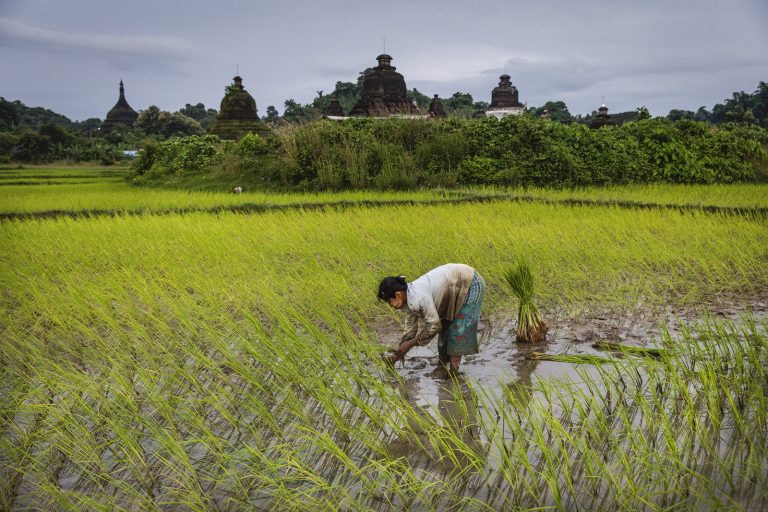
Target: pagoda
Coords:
[(237, 114), (602, 118), (384, 92), (504, 100), (436, 107), (334, 109), (121, 114)]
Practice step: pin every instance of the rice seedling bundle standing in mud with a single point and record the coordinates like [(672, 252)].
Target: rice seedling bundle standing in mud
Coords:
[(530, 326)]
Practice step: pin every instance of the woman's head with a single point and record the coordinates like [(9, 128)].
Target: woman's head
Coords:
[(393, 290)]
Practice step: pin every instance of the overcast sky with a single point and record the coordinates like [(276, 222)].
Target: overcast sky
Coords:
[(69, 55)]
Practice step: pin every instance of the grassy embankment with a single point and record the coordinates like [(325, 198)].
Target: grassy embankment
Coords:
[(230, 360)]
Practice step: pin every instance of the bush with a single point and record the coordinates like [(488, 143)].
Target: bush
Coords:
[(515, 150), (179, 155)]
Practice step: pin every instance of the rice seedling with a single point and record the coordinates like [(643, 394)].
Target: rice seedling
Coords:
[(531, 328), (569, 358), (627, 349)]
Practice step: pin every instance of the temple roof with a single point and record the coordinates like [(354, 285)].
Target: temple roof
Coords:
[(602, 118), (384, 92), (237, 102), (504, 95), (334, 109), (121, 113), (237, 114), (436, 107)]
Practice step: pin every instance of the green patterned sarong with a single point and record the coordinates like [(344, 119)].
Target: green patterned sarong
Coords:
[(459, 337)]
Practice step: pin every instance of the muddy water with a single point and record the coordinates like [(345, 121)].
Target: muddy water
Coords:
[(502, 365), (502, 361)]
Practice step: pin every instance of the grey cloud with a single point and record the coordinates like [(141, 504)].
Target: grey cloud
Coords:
[(123, 51), (661, 54)]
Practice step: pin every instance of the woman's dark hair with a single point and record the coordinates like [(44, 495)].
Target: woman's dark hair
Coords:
[(391, 285)]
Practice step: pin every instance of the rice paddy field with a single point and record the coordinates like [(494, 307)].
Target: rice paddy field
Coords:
[(161, 351)]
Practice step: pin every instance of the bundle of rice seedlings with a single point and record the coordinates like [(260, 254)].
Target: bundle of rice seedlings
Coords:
[(530, 326), (637, 351), (569, 358)]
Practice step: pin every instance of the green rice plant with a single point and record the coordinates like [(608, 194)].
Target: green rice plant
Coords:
[(569, 358), (627, 349), (228, 361), (531, 328)]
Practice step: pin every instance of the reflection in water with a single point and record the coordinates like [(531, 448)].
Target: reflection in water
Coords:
[(522, 387), (456, 412)]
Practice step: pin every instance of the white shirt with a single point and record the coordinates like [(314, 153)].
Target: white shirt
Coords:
[(424, 296)]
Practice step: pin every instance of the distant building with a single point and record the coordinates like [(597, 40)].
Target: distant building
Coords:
[(504, 99), (602, 119), (237, 115), (121, 113), (436, 107), (334, 110), (384, 92)]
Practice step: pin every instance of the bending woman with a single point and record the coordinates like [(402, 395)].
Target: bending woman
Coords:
[(445, 300)]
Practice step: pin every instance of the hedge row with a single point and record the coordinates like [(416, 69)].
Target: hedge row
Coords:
[(519, 150)]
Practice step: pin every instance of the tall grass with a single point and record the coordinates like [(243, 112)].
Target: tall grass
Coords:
[(227, 362)]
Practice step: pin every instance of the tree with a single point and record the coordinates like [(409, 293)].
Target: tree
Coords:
[(31, 147), (557, 110), (148, 120), (701, 115), (297, 113), (422, 100), (643, 113), (459, 100), (272, 116), (200, 114), (9, 116), (738, 114), (677, 115), (346, 93), (154, 121), (55, 133), (760, 104), (87, 127), (459, 104)]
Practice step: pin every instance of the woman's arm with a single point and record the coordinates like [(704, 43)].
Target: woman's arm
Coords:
[(427, 312), (411, 327), (431, 320)]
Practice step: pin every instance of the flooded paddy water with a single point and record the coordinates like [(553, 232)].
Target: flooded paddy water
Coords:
[(510, 374), (503, 361)]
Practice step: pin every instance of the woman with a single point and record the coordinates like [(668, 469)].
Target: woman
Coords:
[(445, 300)]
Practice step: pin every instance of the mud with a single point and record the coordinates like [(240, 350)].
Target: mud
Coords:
[(502, 361)]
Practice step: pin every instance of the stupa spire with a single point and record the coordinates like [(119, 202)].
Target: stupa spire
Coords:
[(121, 113)]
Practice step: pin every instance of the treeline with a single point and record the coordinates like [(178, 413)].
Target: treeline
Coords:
[(38, 135), (516, 150), (741, 108)]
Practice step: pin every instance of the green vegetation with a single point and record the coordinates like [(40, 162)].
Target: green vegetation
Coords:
[(34, 135), (741, 107), (515, 151), (94, 189), (230, 361)]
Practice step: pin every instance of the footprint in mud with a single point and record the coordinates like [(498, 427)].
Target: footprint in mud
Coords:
[(415, 364)]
